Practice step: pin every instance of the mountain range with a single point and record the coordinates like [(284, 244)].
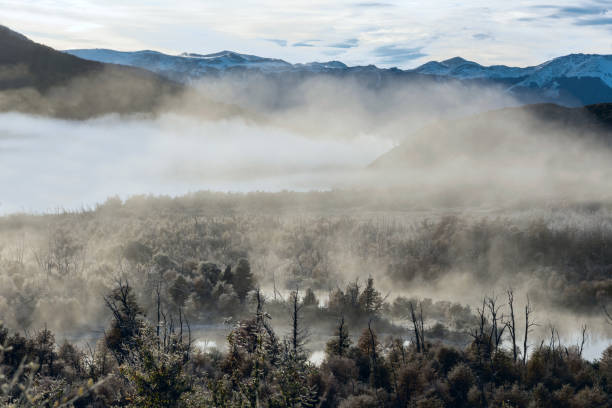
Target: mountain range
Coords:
[(571, 80)]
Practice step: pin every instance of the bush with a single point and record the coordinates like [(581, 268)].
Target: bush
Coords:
[(460, 380)]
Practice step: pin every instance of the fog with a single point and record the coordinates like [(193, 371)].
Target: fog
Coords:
[(307, 134), (53, 163), (423, 230)]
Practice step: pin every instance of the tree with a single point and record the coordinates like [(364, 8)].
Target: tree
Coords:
[(310, 299), (243, 279), (210, 272), (179, 291), (43, 348), (419, 329), (370, 299), (511, 324), (137, 253), (228, 276), (497, 332), (369, 346), (158, 378), (127, 322), (528, 325), (298, 333), (341, 342)]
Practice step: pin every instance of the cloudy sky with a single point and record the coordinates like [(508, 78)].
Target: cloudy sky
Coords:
[(386, 33)]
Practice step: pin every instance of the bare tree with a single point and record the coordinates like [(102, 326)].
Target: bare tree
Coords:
[(417, 323), (481, 336), (584, 334), (528, 325), (496, 331), (511, 323), (127, 321)]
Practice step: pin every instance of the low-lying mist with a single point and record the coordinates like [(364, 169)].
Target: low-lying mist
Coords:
[(53, 163), (313, 134)]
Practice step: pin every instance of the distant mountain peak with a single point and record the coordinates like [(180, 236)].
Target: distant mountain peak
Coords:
[(452, 62)]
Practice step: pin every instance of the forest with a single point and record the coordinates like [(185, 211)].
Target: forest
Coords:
[(301, 300)]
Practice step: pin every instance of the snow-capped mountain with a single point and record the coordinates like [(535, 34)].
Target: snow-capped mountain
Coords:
[(462, 69), (575, 79), (189, 66), (569, 66)]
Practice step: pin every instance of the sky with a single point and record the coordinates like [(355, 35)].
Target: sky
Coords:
[(385, 33)]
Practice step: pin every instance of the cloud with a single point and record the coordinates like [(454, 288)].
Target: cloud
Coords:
[(374, 4), (350, 43), (255, 27), (593, 13), (282, 43), (581, 11), (302, 44), (594, 21), (583, 15), (393, 54), (482, 36)]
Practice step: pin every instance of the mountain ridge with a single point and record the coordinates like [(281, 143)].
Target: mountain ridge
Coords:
[(571, 80), (456, 67)]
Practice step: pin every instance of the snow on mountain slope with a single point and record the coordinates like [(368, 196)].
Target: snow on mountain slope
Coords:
[(462, 69), (571, 66), (227, 59), (191, 65), (195, 65), (543, 75)]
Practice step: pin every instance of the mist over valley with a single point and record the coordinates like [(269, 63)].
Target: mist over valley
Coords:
[(208, 230)]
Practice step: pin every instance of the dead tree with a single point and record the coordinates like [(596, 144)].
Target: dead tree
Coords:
[(584, 330), (417, 323), (496, 331), (482, 339), (511, 323), (422, 327), (528, 325)]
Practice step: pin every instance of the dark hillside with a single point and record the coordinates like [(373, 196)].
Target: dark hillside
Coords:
[(37, 79)]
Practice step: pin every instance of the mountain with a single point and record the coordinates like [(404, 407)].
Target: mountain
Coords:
[(496, 135), (460, 68), (35, 78), (185, 66), (189, 66), (572, 80), (575, 79)]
